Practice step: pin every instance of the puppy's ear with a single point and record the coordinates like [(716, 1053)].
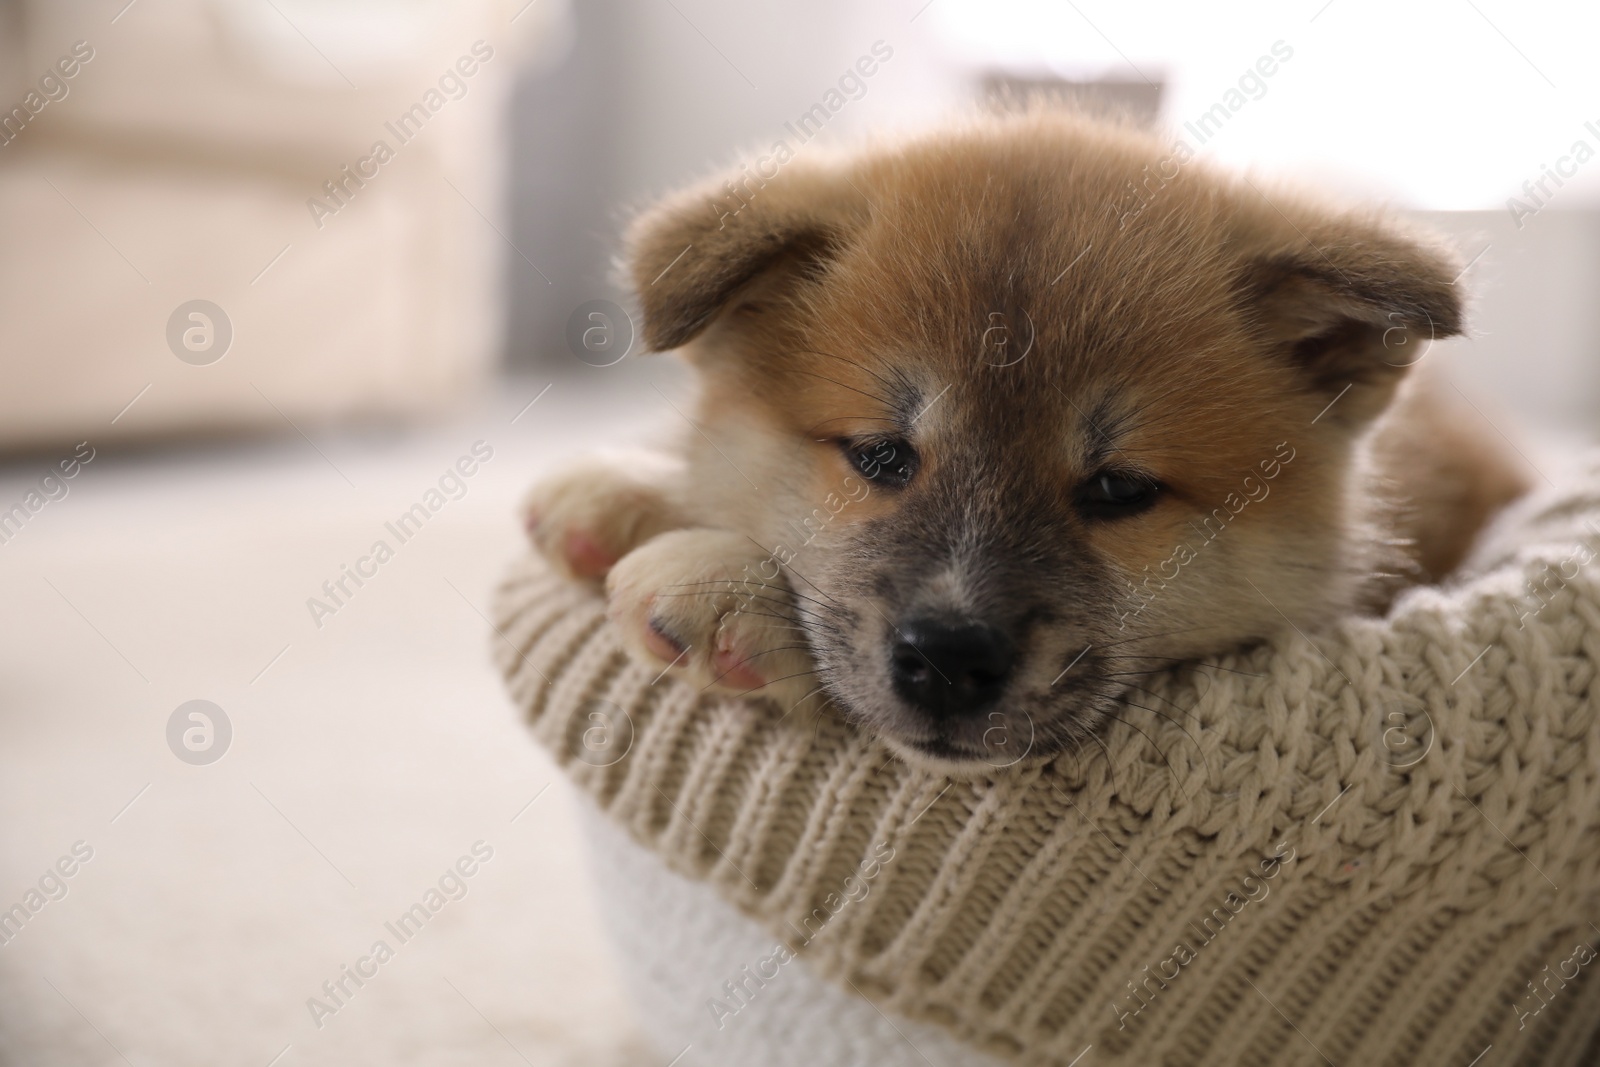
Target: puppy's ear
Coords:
[(1353, 304), (689, 254)]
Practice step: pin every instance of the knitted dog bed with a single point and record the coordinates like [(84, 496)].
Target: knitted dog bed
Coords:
[(1377, 846)]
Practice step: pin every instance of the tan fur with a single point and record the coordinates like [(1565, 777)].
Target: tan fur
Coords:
[(1447, 477), (1217, 333)]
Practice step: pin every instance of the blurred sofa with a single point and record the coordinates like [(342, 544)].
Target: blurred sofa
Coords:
[(184, 158)]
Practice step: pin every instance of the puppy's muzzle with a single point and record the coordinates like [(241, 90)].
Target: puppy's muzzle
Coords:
[(950, 668)]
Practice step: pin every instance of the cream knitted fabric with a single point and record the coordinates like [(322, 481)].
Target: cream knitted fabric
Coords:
[(1378, 847)]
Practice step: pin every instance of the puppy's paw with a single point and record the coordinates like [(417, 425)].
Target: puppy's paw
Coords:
[(694, 603), (586, 518)]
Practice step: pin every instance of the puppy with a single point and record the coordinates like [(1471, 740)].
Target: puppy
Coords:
[(996, 421)]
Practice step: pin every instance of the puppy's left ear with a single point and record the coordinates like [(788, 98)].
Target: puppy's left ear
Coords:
[(1353, 304)]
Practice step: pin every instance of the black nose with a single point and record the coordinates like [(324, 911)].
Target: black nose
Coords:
[(950, 668)]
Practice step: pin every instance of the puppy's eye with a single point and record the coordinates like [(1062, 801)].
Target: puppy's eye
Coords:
[(889, 462), (1110, 495)]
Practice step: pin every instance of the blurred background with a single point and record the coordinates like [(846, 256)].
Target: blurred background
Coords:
[(275, 271)]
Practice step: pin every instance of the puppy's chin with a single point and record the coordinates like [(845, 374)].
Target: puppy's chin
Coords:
[(949, 761), (994, 742)]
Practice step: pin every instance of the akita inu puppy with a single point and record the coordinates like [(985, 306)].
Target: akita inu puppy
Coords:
[(977, 449)]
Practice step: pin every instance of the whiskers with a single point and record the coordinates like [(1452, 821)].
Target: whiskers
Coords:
[(783, 606), (812, 638)]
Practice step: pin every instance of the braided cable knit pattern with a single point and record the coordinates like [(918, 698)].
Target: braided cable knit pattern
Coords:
[(1424, 790)]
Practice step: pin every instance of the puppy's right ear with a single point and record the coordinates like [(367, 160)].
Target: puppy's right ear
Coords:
[(690, 253)]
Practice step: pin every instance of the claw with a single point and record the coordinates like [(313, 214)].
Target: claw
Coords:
[(662, 644)]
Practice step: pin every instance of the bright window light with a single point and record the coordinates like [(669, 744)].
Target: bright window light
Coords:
[(1449, 104)]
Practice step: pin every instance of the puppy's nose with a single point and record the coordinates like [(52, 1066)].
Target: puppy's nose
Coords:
[(950, 668)]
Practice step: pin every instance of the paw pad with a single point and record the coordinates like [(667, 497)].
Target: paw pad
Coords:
[(586, 556)]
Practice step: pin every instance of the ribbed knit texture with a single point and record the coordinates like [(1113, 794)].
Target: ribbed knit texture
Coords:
[(1019, 910)]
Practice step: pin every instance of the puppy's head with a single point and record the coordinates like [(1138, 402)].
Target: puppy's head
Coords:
[(1031, 408)]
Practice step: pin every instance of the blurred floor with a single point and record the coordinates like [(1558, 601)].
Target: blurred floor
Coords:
[(367, 757)]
